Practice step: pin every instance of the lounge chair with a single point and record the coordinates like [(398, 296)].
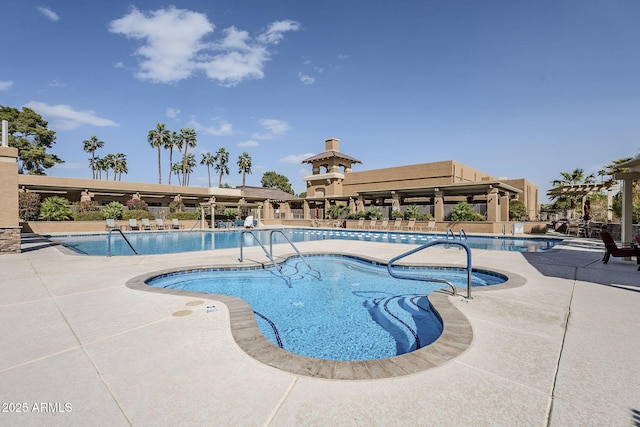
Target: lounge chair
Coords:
[(397, 226), (360, 223), (175, 224), (160, 224), (111, 224), (431, 225), (372, 224), (146, 225), (384, 225), (611, 248), (411, 225), (133, 224)]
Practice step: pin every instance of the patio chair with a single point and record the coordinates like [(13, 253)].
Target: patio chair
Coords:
[(611, 248), (384, 225), (111, 224), (160, 224), (411, 225), (175, 224), (431, 225), (133, 224), (397, 226), (372, 224), (146, 225), (360, 223)]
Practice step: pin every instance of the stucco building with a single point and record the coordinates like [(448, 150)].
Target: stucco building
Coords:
[(435, 187)]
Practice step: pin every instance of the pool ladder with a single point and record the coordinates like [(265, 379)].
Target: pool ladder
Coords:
[(430, 279), (123, 236), (269, 253), (461, 234)]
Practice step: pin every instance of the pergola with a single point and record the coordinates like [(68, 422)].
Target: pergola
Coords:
[(627, 178), (583, 190)]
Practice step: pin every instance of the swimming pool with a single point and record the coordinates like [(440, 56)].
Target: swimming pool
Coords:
[(344, 308), (149, 243)]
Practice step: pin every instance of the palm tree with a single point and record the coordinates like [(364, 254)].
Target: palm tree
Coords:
[(99, 167), (90, 146), (188, 138), (244, 165), (109, 163), (177, 169), (120, 166), (169, 144), (222, 161), (188, 164), (158, 138), (209, 160)]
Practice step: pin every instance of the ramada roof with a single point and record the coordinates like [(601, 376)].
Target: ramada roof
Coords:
[(264, 193), (329, 155)]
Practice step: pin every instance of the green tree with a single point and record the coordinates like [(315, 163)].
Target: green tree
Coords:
[(577, 176), (244, 165), (221, 164), (274, 180), (462, 212), (119, 166), (29, 134), (188, 165), (90, 146), (108, 163), (28, 205), (413, 211), (172, 142), (188, 138), (158, 138), (209, 160), (55, 208)]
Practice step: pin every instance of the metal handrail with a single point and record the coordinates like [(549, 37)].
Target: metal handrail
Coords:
[(450, 231), (242, 233), (123, 236), (427, 279), (462, 234), (292, 245)]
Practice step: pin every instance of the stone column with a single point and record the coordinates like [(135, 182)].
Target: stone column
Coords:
[(504, 207), (306, 210), (493, 205), (9, 214), (438, 205)]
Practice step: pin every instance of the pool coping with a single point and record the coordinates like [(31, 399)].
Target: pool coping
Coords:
[(456, 337)]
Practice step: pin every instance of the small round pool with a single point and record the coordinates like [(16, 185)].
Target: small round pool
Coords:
[(334, 307)]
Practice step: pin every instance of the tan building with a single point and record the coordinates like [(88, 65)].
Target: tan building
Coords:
[(435, 187)]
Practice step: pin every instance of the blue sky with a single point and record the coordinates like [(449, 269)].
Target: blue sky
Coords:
[(516, 89)]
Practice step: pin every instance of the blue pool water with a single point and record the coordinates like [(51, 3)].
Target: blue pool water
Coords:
[(354, 311), (147, 243)]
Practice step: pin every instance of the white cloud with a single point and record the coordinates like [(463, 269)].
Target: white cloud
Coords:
[(171, 56), (119, 64), (343, 56), (48, 13), (6, 85), (248, 144), (65, 118), (296, 158), (274, 128), (173, 113), (57, 83), (308, 80), (223, 128)]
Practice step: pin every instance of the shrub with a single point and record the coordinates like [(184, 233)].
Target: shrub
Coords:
[(113, 210), (517, 209), (190, 215), (28, 206), (463, 212), (413, 211), (374, 212), (425, 217), (397, 214), (231, 212), (55, 208), (88, 216), (137, 205), (86, 211), (337, 211), (137, 214), (176, 206)]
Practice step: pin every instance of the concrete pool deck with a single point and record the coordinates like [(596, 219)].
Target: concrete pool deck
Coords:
[(79, 347)]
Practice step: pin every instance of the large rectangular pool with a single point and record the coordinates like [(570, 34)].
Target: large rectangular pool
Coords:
[(163, 242)]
